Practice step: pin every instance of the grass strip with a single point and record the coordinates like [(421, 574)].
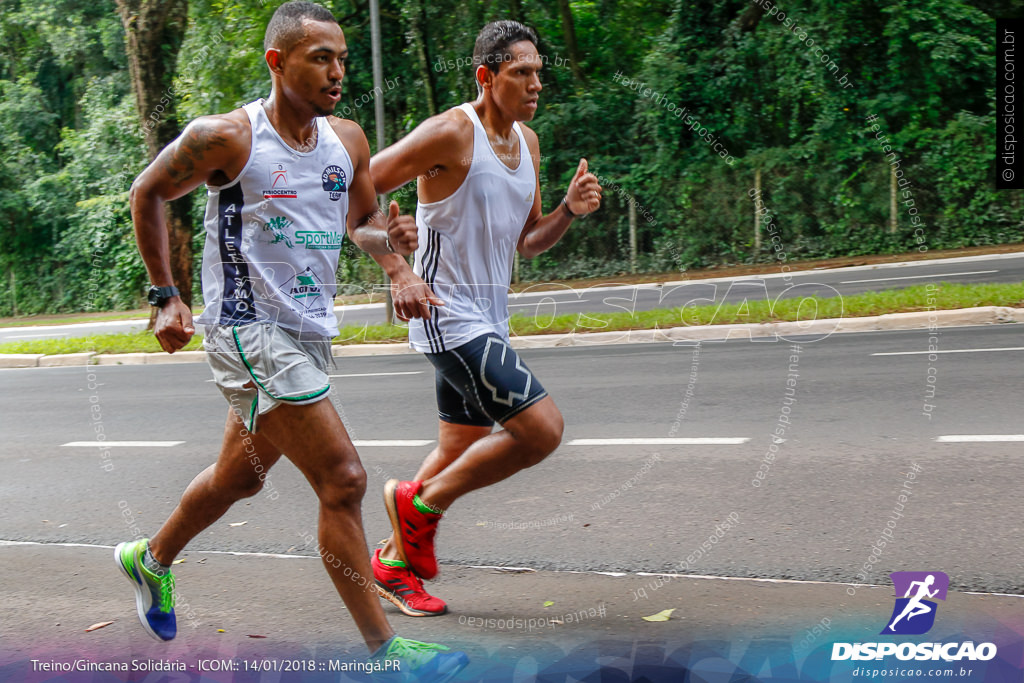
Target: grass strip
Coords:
[(942, 296)]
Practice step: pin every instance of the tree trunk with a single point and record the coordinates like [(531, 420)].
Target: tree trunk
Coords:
[(154, 30), (14, 292), (569, 29), (750, 18), (417, 16), (632, 234), (515, 10), (894, 221)]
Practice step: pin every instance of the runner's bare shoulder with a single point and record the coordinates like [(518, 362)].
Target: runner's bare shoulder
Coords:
[(449, 135), (350, 132), (532, 141), (451, 126)]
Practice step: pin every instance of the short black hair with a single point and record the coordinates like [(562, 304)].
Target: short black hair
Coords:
[(491, 48), (285, 27)]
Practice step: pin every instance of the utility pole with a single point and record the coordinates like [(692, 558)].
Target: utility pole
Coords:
[(757, 218), (378, 114), (632, 235)]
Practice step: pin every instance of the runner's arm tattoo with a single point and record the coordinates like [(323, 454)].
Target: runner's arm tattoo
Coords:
[(196, 141)]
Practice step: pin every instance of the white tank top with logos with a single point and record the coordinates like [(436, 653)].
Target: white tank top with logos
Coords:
[(274, 234), (467, 242)]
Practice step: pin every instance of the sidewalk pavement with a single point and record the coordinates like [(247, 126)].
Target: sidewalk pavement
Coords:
[(263, 614)]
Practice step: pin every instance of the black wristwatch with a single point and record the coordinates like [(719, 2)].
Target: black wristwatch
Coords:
[(158, 296)]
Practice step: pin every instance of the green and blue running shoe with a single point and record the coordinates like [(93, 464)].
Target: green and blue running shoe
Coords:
[(154, 595), (417, 662)]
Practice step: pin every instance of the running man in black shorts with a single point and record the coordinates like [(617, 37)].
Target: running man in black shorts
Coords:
[(479, 202)]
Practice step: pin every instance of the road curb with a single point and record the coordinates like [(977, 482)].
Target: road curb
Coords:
[(66, 359), (982, 315), (20, 360)]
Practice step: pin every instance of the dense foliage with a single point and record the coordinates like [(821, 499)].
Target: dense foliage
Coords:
[(625, 84)]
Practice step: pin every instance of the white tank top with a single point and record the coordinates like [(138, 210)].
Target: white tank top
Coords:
[(273, 235), (466, 245)]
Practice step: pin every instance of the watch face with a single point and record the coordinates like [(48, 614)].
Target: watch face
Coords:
[(154, 296)]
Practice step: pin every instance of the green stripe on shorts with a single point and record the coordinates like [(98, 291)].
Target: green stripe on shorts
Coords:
[(252, 373)]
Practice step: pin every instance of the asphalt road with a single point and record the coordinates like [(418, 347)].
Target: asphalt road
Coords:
[(856, 428), (610, 298), (854, 425)]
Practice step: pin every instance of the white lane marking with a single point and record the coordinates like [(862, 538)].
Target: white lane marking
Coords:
[(918, 277), (415, 443), (510, 570), (514, 295), (34, 336), (358, 307), (921, 353), (59, 545), (979, 438), (364, 374), (584, 290), (78, 326), (121, 444), (206, 552), (682, 441), (380, 374), (552, 301), (530, 570)]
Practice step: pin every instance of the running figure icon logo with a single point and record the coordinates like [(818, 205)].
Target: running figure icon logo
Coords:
[(913, 614)]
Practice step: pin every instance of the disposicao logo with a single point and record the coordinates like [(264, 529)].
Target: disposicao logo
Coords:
[(914, 614)]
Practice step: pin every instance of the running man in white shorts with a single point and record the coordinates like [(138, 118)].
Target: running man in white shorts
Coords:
[(479, 202), (285, 181)]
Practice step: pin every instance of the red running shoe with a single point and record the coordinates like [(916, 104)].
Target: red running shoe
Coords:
[(414, 530), (402, 587)]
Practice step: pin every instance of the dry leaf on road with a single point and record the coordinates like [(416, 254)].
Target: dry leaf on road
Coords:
[(98, 626), (663, 615)]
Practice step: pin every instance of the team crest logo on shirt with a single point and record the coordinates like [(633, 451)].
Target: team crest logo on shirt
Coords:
[(305, 288), (279, 184), (334, 182)]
